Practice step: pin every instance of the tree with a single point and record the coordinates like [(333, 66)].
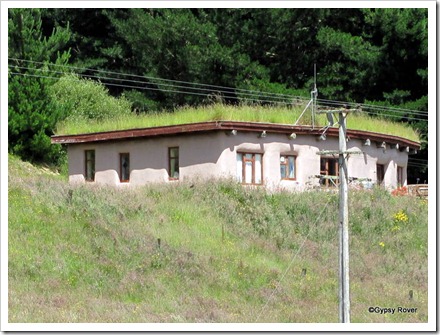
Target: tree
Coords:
[(181, 46), (31, 114), (350, 63)]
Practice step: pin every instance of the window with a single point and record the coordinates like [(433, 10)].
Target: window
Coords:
[(399, 176), (124, 160), (90, 165), (288, 167), (249, 168), (329, 171), (173, 162), (380, 173)]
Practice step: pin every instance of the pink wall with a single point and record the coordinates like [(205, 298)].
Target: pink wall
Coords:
[(214, 154)]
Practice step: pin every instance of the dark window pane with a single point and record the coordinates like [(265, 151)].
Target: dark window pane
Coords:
[(380, 173), (90, 165), (174, 152), (125, 167), (174, 163)]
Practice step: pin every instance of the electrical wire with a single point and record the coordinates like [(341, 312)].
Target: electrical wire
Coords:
[(374, 112), (323, 101), (377, 113), (163, 90), (372, 109), (341, 103), (152, 83), (416, 163), (198, 94), (202, 94), (155, 78)]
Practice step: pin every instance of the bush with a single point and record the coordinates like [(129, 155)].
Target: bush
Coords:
[(82, 98)]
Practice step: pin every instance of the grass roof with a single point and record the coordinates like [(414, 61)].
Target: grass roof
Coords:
[(217, 112)]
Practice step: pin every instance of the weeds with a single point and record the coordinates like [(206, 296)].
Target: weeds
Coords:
[(218, 112), (91, 254)]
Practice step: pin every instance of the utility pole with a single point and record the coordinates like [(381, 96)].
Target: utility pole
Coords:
[(343, 253), (344, 280), (314, 96), (312, 102)]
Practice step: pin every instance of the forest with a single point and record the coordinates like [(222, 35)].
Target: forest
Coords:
[(151, 60)]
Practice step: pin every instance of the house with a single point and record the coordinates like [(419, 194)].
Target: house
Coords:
[(276, 156)]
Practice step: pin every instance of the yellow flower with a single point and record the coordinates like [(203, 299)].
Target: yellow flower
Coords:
[(400, 216), (382, 244)]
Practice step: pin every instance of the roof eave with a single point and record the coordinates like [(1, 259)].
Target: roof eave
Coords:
[(120, 135)]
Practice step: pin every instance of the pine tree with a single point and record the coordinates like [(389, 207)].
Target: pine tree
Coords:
[(31, 114)]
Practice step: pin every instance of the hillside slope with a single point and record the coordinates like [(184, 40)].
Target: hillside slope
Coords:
[(209, 252)]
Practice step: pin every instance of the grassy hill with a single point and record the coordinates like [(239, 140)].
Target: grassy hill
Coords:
[(226, 253), (217, 112)]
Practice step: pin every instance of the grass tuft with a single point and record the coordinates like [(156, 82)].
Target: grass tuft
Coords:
[(92, 253), (217, 112)]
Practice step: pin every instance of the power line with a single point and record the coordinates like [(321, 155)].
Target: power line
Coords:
[(201, 94), (155, 78), (410, 118), (323, 102), (163, 90), (261, 94), (377, 113), (419, 159), (353, 104), (186, 92), (417, 164), (374, 112)]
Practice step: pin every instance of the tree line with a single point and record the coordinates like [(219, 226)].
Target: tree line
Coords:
[(374, 56)]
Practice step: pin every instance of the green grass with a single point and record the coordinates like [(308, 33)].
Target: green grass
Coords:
[(91, 253), (282, 115)]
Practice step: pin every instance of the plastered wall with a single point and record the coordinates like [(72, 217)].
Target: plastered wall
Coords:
[(213, 155)]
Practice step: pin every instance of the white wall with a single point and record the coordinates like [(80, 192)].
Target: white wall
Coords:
[(213, 155)]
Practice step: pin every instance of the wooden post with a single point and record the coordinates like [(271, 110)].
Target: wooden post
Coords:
[(344, 287)]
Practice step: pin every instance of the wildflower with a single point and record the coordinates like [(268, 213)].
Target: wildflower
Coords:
[(400, 191), (382, 244), (400, 217)]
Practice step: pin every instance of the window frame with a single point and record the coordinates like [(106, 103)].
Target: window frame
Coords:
[(170, 158), (86, 162), (121, 174), (399, 176), (287, 164), (326, 172), (253, 160), (380, 177)]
